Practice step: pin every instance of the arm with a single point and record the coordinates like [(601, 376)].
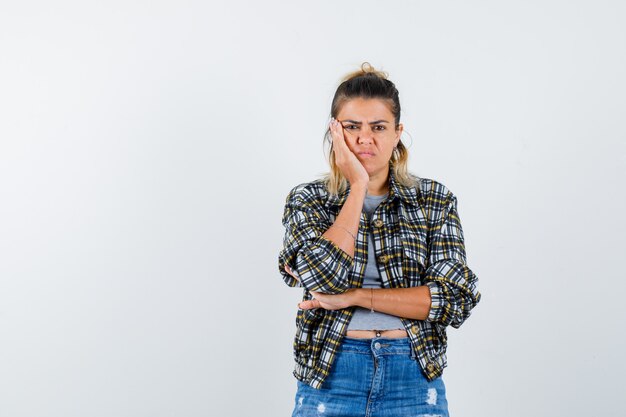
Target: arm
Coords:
[(319, 259), (410, 303), (449, 292), (348, 220), (451, 282), (319, 255)]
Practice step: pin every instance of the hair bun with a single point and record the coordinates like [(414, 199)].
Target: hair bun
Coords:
[(367, 70)]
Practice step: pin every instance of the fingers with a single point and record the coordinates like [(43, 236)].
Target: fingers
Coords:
[(309, 304), (336, 132), (347, 161), (343, 155), (290, 272)]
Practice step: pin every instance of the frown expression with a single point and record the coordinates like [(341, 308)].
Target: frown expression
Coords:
[(369, 131)]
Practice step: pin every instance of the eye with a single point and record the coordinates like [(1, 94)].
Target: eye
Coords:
[(379, 126), (349, 127)]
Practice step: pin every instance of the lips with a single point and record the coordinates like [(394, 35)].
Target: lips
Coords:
[(365, 154)]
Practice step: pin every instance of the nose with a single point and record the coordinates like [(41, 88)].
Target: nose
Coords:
[(365, 135)]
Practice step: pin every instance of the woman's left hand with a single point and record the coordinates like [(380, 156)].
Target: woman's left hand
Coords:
[(329, 301), (326, 301)]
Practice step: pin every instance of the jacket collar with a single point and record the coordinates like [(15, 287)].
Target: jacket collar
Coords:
[(409, 195)]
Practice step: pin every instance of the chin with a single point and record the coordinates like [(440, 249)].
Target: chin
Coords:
[(371, 170)]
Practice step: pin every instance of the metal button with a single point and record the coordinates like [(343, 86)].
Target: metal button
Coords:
[(430, 367), (376, 345), (383, 259), (377, 223), (415, 329)]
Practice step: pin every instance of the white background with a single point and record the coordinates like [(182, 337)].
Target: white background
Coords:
[(146, 150)]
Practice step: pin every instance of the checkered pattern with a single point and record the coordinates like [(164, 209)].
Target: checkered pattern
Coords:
[(418, 240)]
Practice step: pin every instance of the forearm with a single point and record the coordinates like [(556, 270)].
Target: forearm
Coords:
[(410, 303), (348, 220)]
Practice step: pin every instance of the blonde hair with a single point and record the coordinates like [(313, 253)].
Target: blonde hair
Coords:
[(367, 82)]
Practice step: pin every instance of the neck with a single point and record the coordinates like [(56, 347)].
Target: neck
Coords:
[(379, 183)]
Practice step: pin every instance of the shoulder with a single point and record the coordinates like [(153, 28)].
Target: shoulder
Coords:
[(308, 192), (435, 194)]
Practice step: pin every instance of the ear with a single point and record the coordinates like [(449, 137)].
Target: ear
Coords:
[(399, 131)]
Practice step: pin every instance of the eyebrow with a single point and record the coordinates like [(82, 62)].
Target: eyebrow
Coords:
[(375, 122)]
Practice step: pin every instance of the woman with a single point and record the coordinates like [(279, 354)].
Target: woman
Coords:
[(380, 255)]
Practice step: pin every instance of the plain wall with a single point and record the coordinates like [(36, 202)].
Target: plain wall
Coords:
[(146, 150)]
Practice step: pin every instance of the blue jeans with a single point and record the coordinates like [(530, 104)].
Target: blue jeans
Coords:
[(373, 378)]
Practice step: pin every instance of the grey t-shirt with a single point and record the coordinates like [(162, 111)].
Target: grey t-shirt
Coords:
[(363, 318)]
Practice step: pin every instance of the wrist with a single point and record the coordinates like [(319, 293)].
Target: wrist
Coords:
[(361, 297), (359, 188)]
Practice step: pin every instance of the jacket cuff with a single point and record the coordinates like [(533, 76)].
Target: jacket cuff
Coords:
[(289, 280), (336, 252), (324, 266), (437, 302)]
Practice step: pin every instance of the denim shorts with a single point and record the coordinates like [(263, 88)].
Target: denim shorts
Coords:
[(373, 378)]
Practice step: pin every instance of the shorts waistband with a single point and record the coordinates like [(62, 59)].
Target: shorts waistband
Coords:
[(376, 345)]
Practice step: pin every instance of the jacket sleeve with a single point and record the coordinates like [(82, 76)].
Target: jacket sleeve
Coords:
[(320, 264), (452, 284)]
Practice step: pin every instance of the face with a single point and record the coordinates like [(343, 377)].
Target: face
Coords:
[(369, 131)]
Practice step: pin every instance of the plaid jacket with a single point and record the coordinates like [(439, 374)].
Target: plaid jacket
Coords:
[(418, 240)]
